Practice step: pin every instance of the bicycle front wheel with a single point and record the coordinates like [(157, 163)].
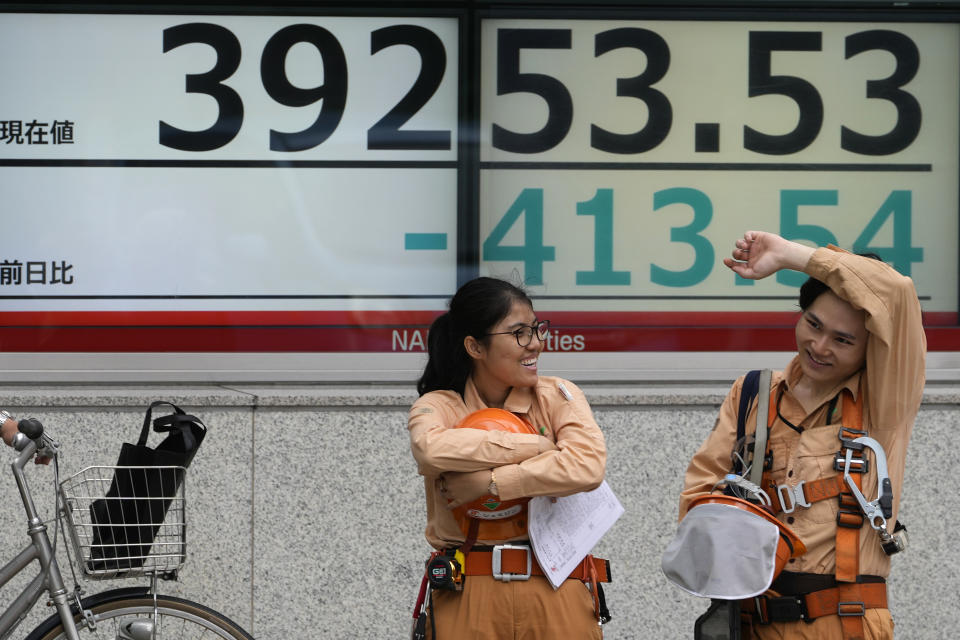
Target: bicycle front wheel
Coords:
[(129, 614)]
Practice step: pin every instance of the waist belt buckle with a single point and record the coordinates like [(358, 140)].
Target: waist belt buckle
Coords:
[(851, 609), (496, 562)]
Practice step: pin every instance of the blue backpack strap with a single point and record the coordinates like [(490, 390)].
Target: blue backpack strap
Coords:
[(749, 391)]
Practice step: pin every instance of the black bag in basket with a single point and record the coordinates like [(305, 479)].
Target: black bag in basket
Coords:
[(126, 521)]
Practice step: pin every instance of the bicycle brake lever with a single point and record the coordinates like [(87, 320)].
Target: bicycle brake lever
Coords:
[(48, 448)]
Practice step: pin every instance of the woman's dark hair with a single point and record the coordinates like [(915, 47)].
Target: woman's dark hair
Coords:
[(812, 288), (476, 307)]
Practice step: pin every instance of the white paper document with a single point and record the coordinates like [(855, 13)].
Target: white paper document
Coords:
[(562, 532)]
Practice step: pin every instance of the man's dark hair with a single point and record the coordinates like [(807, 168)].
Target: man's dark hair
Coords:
[(812, 288)]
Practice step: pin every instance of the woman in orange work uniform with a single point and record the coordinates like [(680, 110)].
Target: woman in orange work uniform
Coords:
[(860, 348), (483, 354)]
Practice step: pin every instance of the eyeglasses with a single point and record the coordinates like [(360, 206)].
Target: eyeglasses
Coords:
[(524, 334)]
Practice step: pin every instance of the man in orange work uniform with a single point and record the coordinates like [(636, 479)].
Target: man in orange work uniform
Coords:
[(861, 351)]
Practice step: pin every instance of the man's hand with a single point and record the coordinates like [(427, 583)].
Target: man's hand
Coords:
[(758, 254)]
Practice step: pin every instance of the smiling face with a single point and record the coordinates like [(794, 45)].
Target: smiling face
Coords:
[(499, 363), (831, 341)]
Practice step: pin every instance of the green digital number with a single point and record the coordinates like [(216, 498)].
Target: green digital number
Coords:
[(690, 234), (532, 253), (898, 205), (790, 228), (901, 255), (601, 208)]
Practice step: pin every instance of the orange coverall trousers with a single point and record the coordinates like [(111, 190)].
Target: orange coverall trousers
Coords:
[(489, 609), (877, 625)]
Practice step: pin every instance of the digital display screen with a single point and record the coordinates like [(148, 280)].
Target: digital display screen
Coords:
[(276, 183)]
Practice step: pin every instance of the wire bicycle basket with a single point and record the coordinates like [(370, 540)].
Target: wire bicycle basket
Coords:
[(126, 521)]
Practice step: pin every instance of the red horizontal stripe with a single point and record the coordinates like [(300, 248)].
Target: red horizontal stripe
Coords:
[(213, 318), (331, 339), (221, 319)]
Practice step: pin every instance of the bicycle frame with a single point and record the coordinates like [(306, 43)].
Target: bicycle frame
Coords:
[(49, 577)]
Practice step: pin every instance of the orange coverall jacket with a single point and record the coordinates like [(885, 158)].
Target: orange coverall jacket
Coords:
[(892, 382)]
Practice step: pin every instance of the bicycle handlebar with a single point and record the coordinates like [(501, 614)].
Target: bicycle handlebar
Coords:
[(30, 427), (31, 432)]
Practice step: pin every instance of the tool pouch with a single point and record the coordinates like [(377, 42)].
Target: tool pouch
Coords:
[(720, 622), (444, 573)]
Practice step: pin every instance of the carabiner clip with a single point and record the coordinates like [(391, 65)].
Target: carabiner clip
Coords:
[(877, 511)]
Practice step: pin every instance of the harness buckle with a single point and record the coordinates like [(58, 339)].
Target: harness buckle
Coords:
[(781, 609), (849, 519), (496, 562), (857, 465), (845, 434), (787, 609), (794, 494), (844, 609)]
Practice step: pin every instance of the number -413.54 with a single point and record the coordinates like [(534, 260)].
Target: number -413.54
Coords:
[(533, 253)]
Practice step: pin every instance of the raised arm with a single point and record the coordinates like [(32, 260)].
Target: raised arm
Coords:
[(897, 346)]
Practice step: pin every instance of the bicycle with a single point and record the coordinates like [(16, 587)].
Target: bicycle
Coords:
[(137, 613)]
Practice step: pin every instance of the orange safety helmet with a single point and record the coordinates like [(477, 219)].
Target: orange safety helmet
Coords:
[(790, 545), (497, 519)]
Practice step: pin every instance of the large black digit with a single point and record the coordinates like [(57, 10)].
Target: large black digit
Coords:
[(761, 83), (230, 106), (386, 133), (909, 115), (510, 80), (333, 91), (660, 113)]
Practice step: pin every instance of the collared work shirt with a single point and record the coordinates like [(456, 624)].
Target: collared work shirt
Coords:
[(892, 386), (522, 469)]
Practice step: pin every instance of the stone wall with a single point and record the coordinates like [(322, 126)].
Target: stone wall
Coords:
[(305, 511)]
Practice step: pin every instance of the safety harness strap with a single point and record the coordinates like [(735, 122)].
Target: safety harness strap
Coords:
[(850, 604), (848, 600), (763, 425), (803, 494)]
